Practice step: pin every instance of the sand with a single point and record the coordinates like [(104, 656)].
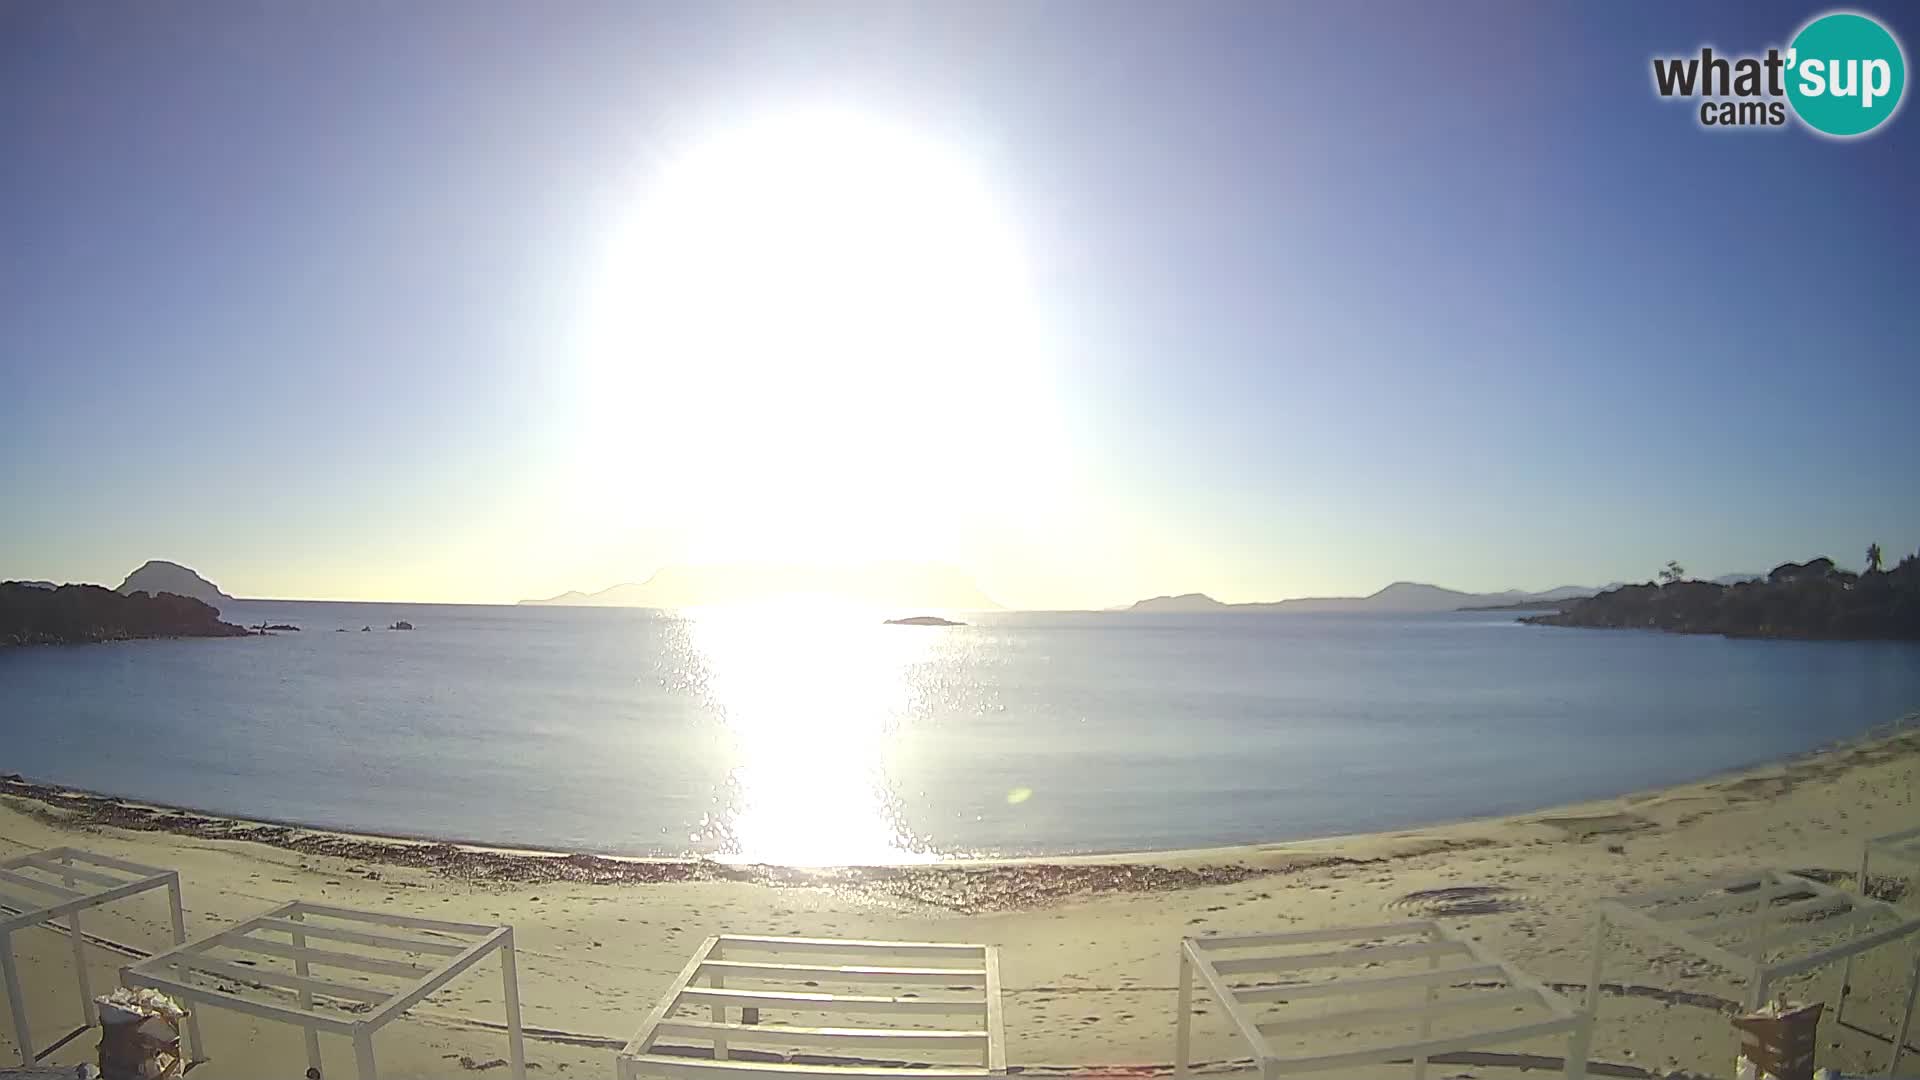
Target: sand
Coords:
[(1088, 944)]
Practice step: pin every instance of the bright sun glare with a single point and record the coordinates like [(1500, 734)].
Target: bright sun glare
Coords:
[(816, 342), (809, 704)]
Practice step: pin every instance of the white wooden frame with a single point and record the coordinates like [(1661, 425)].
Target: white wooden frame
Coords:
[(772, 960), (42, 886), (1217, 959), (1903, 846), (1758, 906), (454, 947)]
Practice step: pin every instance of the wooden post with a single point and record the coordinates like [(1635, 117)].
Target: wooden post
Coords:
[(1906, 1016), (1846, 966), (1594, 966), (80, 969), (1183, 1014), (196, 1049), (15, 999), (1426, 1019), (715, 981), (510, 984), (79, 953), (1578, 1041), (363, 1054), (301, 968)]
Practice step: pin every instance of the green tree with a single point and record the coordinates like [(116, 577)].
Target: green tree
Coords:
[(1873, 558), (1672, 572)]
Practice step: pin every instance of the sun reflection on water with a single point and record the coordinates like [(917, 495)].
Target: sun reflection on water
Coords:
[(810, 697)]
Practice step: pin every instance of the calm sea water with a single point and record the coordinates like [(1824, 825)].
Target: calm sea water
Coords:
[(825, 738)]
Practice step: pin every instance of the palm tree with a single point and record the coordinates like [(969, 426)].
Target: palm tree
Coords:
[(1672, 573), (1873, 558)]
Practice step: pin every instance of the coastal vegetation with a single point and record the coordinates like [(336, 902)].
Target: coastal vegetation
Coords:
[(1811, 600)]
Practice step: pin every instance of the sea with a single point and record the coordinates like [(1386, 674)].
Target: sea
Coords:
[(822, 736)]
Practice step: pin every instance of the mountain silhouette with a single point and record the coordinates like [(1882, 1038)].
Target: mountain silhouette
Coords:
[(889, 585), (1404, 597), (159, 576)]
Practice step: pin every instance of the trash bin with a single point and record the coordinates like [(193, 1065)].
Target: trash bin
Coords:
[(1778, 1041), (139, 1035)]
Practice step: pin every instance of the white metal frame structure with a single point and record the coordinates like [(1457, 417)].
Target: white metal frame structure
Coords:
[(1422, 959), (42, 886), (1901, 846), (283, 933), (787, 973), (1736, 922)]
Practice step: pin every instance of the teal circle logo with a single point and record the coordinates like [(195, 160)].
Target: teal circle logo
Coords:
[(1845, 74)]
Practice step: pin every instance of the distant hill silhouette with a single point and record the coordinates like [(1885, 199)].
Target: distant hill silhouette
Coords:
[(1405, 597), (1796, 600), (159, 576), (73, 614), (1192, 603), (888, 585)]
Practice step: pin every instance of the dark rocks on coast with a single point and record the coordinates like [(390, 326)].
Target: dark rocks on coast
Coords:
[(73, 614)]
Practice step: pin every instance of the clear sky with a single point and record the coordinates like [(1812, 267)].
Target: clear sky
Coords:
[(415, 301)]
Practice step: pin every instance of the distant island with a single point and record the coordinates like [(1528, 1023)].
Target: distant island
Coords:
[(1811, 600), (159, 576), (893, 585), (75, 614), (924, 620), (1401, 597)]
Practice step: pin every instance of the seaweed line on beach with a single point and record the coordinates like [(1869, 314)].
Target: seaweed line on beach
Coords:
[(964, 889)]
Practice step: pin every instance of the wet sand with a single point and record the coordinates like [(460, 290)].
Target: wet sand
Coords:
[(1088, 944)]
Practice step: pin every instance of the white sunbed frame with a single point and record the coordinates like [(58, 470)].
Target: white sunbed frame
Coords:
[(85, 880), (1688, 916), (934, 964), (458, 945), (1262, 953), (1902, 846)]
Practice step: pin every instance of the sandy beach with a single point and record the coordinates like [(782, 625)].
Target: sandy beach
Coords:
[(1088, 944)]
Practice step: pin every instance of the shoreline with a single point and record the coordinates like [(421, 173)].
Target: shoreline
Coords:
[(1088, 943), (961, 885)]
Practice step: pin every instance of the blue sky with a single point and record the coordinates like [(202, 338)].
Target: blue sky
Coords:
[(1329, 296)]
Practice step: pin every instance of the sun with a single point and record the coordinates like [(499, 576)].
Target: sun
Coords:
[(816, 339)]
